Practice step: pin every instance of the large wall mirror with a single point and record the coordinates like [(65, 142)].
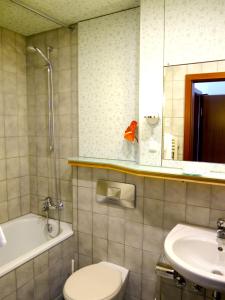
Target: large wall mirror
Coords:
[(194, 81)]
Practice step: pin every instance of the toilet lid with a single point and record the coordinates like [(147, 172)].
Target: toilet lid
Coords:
[(94, 282)]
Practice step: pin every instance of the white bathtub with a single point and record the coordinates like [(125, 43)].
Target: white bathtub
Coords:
[(27, 237)]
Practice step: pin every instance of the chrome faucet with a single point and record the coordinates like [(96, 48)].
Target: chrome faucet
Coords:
[(49, 204), (221, 228)]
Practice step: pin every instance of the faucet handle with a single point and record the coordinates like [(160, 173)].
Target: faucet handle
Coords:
[(221, 223), (48, 204)]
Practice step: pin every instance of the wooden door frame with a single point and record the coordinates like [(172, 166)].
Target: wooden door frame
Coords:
[(189, 80)]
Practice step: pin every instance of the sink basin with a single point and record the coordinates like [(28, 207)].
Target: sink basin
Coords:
[(193, 252)]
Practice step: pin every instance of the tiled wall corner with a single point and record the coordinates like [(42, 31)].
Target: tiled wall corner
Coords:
[(14, 145)]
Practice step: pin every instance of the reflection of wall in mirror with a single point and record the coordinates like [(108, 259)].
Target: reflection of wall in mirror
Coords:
[(174, 94)]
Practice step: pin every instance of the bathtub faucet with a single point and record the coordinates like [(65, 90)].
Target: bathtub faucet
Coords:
[(221, 228), (49, 204)]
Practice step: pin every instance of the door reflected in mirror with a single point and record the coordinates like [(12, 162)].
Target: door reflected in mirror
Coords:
[(204, 122), (194, 112)]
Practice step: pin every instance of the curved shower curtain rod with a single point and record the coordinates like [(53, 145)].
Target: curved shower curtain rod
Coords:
[(43, 15)]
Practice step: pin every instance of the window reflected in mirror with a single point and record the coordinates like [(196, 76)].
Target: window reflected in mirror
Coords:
[(194, 112)]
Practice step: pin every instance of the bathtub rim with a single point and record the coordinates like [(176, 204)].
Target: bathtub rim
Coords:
[(19, 261)]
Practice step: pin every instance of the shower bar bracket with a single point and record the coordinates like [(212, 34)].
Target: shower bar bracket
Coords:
[(42, 14)]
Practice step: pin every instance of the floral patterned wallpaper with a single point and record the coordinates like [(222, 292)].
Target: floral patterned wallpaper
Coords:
[(108, 58), (194, 31)]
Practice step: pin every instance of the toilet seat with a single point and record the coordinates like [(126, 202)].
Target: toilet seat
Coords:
[(94, 282)]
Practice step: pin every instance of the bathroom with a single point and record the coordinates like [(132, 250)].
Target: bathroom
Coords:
[(107, 70)]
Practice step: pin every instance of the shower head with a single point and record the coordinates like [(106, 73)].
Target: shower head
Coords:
[(33, 49)]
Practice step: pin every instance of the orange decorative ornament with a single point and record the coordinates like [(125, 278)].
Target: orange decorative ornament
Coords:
[(129, 134)]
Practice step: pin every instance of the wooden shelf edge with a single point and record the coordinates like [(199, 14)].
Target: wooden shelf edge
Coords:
[(149, 174)]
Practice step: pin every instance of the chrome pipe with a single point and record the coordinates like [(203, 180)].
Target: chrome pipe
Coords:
[(51, 118)]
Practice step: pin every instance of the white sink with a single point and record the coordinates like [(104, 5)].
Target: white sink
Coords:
[(193, 252)]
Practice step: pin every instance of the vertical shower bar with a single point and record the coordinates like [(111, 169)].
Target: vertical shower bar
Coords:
[(50, 105), (51, 125)]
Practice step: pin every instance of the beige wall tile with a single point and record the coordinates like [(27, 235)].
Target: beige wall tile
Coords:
[(116, 253), (197, 215), (40, 263), (85, 177), (85, 244), (217, 198), (41, 286), (2, 169), (11, 126), (84, 260), (175, 191), (2, 147), (100, 208), (7, 284), (136, 214), (2, 126), (100, 225), (154, 188), (116, 229), (4, 212), (99, 174), (133, 259), (116, 176), (26, 291), (13, 188), (116, 211), (54, 255), (153, 238), (198, 194), (66, 190), (134, 285), (173, 213), (133, 234), (3, 191), (25, 205), (84, 221), (153, 212), (14, 208), (85, 198), (150, 260), (149, 287), (170, 291), (11, 297), (138, 182), (100, 248), (24, 274)]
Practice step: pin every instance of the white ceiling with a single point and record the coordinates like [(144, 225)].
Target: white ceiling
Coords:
[(18, 19)]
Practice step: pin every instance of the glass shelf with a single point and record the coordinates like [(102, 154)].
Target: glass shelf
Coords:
[(133, 168)]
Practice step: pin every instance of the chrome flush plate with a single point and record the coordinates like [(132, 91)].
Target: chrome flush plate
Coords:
[(116, 193)]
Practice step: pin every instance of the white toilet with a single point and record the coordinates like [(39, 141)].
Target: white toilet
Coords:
[(101, 281)]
